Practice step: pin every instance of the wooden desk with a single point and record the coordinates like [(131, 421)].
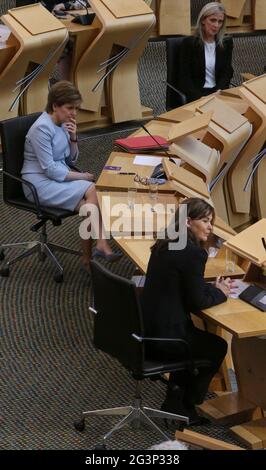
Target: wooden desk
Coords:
[(112, 181), (248, 326), (139, 252), (148, 216)]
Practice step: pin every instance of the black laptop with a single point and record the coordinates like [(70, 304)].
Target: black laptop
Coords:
[(255, 296)]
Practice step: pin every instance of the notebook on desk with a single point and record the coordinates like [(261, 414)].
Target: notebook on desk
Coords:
[(142, 143)]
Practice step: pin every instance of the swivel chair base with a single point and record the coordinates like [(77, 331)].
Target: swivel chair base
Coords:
[(136, 414), (42, 247)]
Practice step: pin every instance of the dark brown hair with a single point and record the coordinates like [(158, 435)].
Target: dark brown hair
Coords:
[(62, 93), (196, 209)]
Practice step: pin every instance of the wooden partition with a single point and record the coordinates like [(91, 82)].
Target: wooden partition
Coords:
[(229, 132), (37, 38), (104, 59), (105, 71)]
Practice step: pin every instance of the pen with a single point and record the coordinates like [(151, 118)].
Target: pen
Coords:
[(126, 173)]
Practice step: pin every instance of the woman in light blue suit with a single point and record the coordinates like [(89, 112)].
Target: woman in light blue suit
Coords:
[(50, 146)]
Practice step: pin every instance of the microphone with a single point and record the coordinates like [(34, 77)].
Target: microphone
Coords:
[(168, 155), (86, 19), (158, 171)]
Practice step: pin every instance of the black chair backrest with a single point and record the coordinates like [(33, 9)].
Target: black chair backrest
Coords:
[(173, 100), (13, 132), (119, 315)]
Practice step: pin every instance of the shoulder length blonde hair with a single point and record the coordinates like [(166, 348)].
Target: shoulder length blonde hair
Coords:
[(211, 9)]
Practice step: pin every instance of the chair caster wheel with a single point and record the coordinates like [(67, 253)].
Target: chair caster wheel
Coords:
[(58, 278), (80, 425), (4, 272), (2, 255), (100, 447)]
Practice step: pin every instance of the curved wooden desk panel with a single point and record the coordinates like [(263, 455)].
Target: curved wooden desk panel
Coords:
[(116, 34), (232, 144), (260, 189), (29, 49), (241, 169)]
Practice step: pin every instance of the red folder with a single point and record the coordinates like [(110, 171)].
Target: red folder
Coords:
[(143, 143)]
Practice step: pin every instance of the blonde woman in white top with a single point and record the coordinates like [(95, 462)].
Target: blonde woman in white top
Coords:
[(206, 58)]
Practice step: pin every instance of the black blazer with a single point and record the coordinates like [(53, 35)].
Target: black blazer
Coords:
[(174, 288), (192, 66)]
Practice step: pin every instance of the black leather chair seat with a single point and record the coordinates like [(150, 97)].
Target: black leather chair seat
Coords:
[(151, 367)]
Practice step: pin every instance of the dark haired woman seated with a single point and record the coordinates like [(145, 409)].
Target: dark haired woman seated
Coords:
[(175, 288)]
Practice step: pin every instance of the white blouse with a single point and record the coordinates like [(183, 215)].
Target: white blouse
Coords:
[(210, 58)]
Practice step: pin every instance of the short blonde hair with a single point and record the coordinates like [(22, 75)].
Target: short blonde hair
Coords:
[(211, 9)]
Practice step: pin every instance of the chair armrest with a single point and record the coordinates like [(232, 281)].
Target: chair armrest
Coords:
[(171, 340), (182, 96), (32, 188)]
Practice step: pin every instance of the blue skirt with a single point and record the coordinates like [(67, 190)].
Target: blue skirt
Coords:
[(51, 193)]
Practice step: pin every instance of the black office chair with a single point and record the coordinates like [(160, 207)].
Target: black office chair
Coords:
[(13, 133), (174, 97), (118, 331)]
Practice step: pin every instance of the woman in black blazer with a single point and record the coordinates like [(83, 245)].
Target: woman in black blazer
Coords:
[(205, 60), (174, 288)]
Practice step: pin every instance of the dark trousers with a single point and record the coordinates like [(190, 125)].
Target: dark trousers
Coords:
[(204, 346)]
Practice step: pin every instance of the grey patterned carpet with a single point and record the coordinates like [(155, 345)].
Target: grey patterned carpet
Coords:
[(50, 370)]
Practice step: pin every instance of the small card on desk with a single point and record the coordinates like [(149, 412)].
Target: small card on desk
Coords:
[(112, 168)]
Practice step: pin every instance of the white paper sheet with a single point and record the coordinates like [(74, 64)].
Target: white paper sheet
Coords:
[(151, 160), (147, 160), (239, 287)]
